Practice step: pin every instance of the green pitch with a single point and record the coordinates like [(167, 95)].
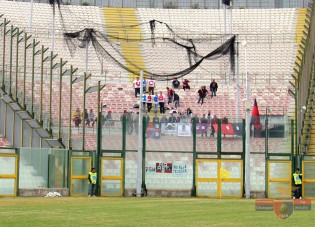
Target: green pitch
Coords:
[(71, 211)]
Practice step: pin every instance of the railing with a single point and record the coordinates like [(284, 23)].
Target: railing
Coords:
[(182, 4)]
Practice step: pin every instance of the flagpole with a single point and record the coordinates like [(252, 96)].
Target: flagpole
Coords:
[(139, 163), (247, 148)]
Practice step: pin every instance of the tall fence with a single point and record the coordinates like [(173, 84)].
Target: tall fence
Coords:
[(175, 162)]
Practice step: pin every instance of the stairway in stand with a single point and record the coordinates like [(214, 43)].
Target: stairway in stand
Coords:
[(120, 23)]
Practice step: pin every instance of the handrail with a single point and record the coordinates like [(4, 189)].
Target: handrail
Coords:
[(184, 4)]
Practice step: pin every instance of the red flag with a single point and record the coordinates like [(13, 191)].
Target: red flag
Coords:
[(255, 116), (226, 129)]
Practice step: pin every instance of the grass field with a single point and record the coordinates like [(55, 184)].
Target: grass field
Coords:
[(72, 211)]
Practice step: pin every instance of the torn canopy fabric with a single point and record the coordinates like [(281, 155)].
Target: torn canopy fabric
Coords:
[(193, 50)]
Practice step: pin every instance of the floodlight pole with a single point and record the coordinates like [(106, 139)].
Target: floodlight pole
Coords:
[(247, 149), (140, 145)]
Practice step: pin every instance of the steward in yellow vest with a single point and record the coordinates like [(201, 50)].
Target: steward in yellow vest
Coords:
[(297, 177), (92, 177)]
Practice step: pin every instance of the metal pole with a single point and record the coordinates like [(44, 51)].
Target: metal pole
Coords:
[(231, 32), (31, 17), (33, 75), (224, 12), (124, 151), (83, 120), (11, 59), (53, 30), (194, 188), (219, 139), (3, 51), (50, 90), (237, 81), (60, 98), (140, 145), (231, 18), (247, 152), (17, 63), (70, 108), (99, 138), (24, 71), (87, 57), (41, 86)]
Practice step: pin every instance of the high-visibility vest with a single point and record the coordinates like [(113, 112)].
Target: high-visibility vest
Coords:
[(297, 179), (93, 177)]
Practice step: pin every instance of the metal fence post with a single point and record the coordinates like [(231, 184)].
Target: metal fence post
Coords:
[(193, 191)]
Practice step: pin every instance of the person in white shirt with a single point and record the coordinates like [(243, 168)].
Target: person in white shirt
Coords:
[(161, 99), (151, 83), (137, 86)]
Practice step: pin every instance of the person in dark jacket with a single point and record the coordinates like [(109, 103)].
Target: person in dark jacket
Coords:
[(202, 92), (176, 83), (213, 88)]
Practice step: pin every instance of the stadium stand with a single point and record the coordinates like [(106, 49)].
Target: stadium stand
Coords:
[(271, 33)]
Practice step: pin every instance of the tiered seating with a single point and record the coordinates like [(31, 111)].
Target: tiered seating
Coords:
[(270, 35), (271, 51), (71, 19)]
